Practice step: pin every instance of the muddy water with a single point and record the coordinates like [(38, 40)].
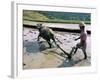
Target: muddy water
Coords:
[(33, 46), (39, 55)]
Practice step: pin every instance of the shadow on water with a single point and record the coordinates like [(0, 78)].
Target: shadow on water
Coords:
[(69, 63), (34, 47)]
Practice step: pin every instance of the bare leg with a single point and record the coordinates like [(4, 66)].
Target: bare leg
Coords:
[(85, 55), (76, 48)]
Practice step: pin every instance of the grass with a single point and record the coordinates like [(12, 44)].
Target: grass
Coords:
[(35, 16)]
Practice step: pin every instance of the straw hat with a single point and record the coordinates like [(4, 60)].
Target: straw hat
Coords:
[(82, 24)]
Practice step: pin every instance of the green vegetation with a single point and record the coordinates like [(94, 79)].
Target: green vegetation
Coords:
[(32, 15), (56, 17)]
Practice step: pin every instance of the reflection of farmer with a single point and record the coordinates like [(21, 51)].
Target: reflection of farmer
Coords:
[(82, 38)]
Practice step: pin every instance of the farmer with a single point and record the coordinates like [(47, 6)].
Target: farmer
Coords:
[(82, 38)]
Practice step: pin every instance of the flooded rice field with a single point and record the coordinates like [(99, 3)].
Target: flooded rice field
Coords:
[(37, 54)]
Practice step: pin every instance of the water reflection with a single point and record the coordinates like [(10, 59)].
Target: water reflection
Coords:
[(31, 47), (34, 47)]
